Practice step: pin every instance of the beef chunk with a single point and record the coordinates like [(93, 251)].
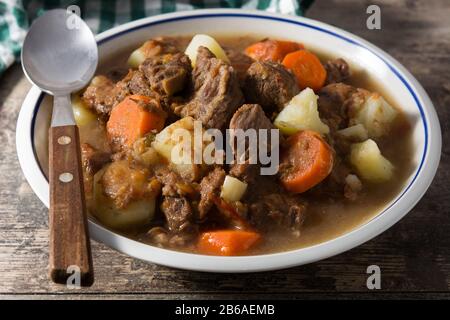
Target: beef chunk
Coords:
[(337, 71), (240, 62), (332, 106), (245, 172), (133, 83), (100, 95), (173, 184), (92, 159), (167, 74), (210, 189), (270, 85), (216, 91), (175, 206), (278, 210), (179, 216), (271, 207), (249, 116)]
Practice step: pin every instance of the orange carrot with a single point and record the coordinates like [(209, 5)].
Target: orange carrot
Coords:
[(134, 117), (307, 68), (306, 161), (227, 242), (272, 50)]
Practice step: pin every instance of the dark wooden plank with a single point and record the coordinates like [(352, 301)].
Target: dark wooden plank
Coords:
[(414, 255)]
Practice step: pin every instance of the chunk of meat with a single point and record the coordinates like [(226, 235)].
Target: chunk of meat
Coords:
[(245, 172), (173, 184), (179, 216), (176, 207), (92, 159), (209, 190), (270, 207), (100, 95), (331, 104), (216, 91), (167, 74), (240, 62), (337, 71), (269, 84), (278, 210), (133, 83), (103, 94), (249, 116)]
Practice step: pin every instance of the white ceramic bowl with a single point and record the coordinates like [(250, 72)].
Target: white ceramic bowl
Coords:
[(33, 122)]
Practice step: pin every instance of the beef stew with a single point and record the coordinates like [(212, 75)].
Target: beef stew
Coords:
[(338, 164)]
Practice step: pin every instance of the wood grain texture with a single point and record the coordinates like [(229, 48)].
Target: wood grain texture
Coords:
[(69, 236), (414, 255)]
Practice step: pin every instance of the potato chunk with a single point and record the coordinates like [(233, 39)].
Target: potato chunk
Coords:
[(356, 133), (232, 189), (376, 115), (370, 163), (176, 143), (83, 115), (301, 113), (124, 197)]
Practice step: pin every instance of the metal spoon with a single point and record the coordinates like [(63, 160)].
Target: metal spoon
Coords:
[(60, 56)]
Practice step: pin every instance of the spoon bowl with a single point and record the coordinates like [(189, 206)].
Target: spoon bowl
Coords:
[(60, 53)]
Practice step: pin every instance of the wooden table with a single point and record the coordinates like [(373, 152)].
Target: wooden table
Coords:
[(414, 255)]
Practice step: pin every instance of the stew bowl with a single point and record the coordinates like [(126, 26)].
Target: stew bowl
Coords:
[(400, 85)]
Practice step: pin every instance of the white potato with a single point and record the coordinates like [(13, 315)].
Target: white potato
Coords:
[(176, 144), (301, 113), (370, 163), (203, 40), (355, 133), (136, 58), (376, 115), (83, 115), (232, 189), (144, 153), (139, 55), (134, 214)]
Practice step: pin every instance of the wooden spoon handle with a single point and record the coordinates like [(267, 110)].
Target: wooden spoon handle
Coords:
[(70, 248)]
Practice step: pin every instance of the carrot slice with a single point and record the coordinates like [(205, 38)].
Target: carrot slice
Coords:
[(272, 50), (227, 242), (307, 68), (306, 161), (134, 117)]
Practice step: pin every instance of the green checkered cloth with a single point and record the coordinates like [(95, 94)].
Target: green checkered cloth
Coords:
[(101, 15)]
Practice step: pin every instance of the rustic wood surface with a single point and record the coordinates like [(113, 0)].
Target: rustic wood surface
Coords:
[(414, 255)]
